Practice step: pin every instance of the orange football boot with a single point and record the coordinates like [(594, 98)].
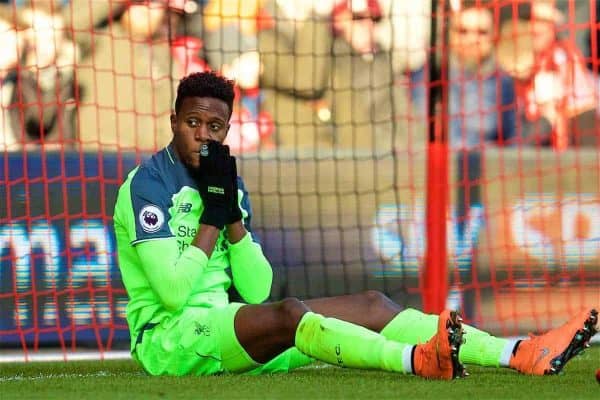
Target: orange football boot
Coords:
[(438, 358), (547, 354)]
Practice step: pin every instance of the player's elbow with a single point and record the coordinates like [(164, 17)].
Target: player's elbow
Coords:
[(256, 298), (258, 293), (172, 302)]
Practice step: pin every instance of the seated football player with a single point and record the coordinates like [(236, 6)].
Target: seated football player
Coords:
[(182, 223)]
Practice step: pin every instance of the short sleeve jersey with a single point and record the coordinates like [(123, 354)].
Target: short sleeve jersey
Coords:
[(159, 200)]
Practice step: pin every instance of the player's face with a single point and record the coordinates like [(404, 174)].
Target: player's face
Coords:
[(199, 120)]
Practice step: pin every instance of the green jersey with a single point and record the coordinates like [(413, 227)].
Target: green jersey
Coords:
[(156, 218)]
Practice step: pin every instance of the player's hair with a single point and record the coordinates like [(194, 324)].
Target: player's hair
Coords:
[(205, 84)]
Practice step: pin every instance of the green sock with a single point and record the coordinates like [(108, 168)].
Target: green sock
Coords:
[(480, 348), (344, 344)]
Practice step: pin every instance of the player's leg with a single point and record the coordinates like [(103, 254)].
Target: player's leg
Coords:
[(181, 344), (377, 312), (236, 358), (285, 362), (266, 330), (374, 310), (480, 348), (371, 309)]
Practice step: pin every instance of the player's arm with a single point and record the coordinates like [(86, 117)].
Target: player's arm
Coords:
[(218, 186), (171, 275), (171, 272), (251, 271)]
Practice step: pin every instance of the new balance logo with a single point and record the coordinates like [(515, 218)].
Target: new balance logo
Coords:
[(185, 207), (216, 190)]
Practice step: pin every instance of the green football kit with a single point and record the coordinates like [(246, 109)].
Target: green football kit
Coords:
[(179, 314)]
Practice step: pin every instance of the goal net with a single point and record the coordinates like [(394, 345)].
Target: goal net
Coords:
[(339, 105)]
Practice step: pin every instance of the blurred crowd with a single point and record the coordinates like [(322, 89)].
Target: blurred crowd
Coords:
[(311, 74)]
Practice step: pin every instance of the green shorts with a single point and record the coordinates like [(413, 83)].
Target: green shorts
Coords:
[(202, 341)]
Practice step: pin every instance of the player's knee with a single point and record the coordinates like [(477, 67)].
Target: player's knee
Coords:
[(375, 300), (290, 312)]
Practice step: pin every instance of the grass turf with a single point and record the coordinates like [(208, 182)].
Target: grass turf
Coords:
[(124, 380)]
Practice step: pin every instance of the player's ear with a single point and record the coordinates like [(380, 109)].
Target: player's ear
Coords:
[(173, 122)]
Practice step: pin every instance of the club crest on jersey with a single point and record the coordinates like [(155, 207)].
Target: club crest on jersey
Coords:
[(151, 218)]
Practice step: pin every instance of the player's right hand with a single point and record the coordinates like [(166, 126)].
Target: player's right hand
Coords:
[(214, 178)]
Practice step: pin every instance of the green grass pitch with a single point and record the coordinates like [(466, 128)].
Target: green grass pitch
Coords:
[(124, 380)]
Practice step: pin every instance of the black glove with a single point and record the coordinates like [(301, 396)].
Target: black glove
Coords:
[(235, 213), (214, 179)]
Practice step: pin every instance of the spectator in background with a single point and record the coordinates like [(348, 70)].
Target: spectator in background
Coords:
[(482, 95), (328, 81), (231, 47), (127, 79), (187, 22), (366, 102), (11, 53), (46, 82), (404, 30), (481, 102), (83, 17), (185, 50), (295, 54), (592, 37), (557, 94)]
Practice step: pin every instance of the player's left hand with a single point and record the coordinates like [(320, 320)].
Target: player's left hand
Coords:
[(214, 178), (235, 213)]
